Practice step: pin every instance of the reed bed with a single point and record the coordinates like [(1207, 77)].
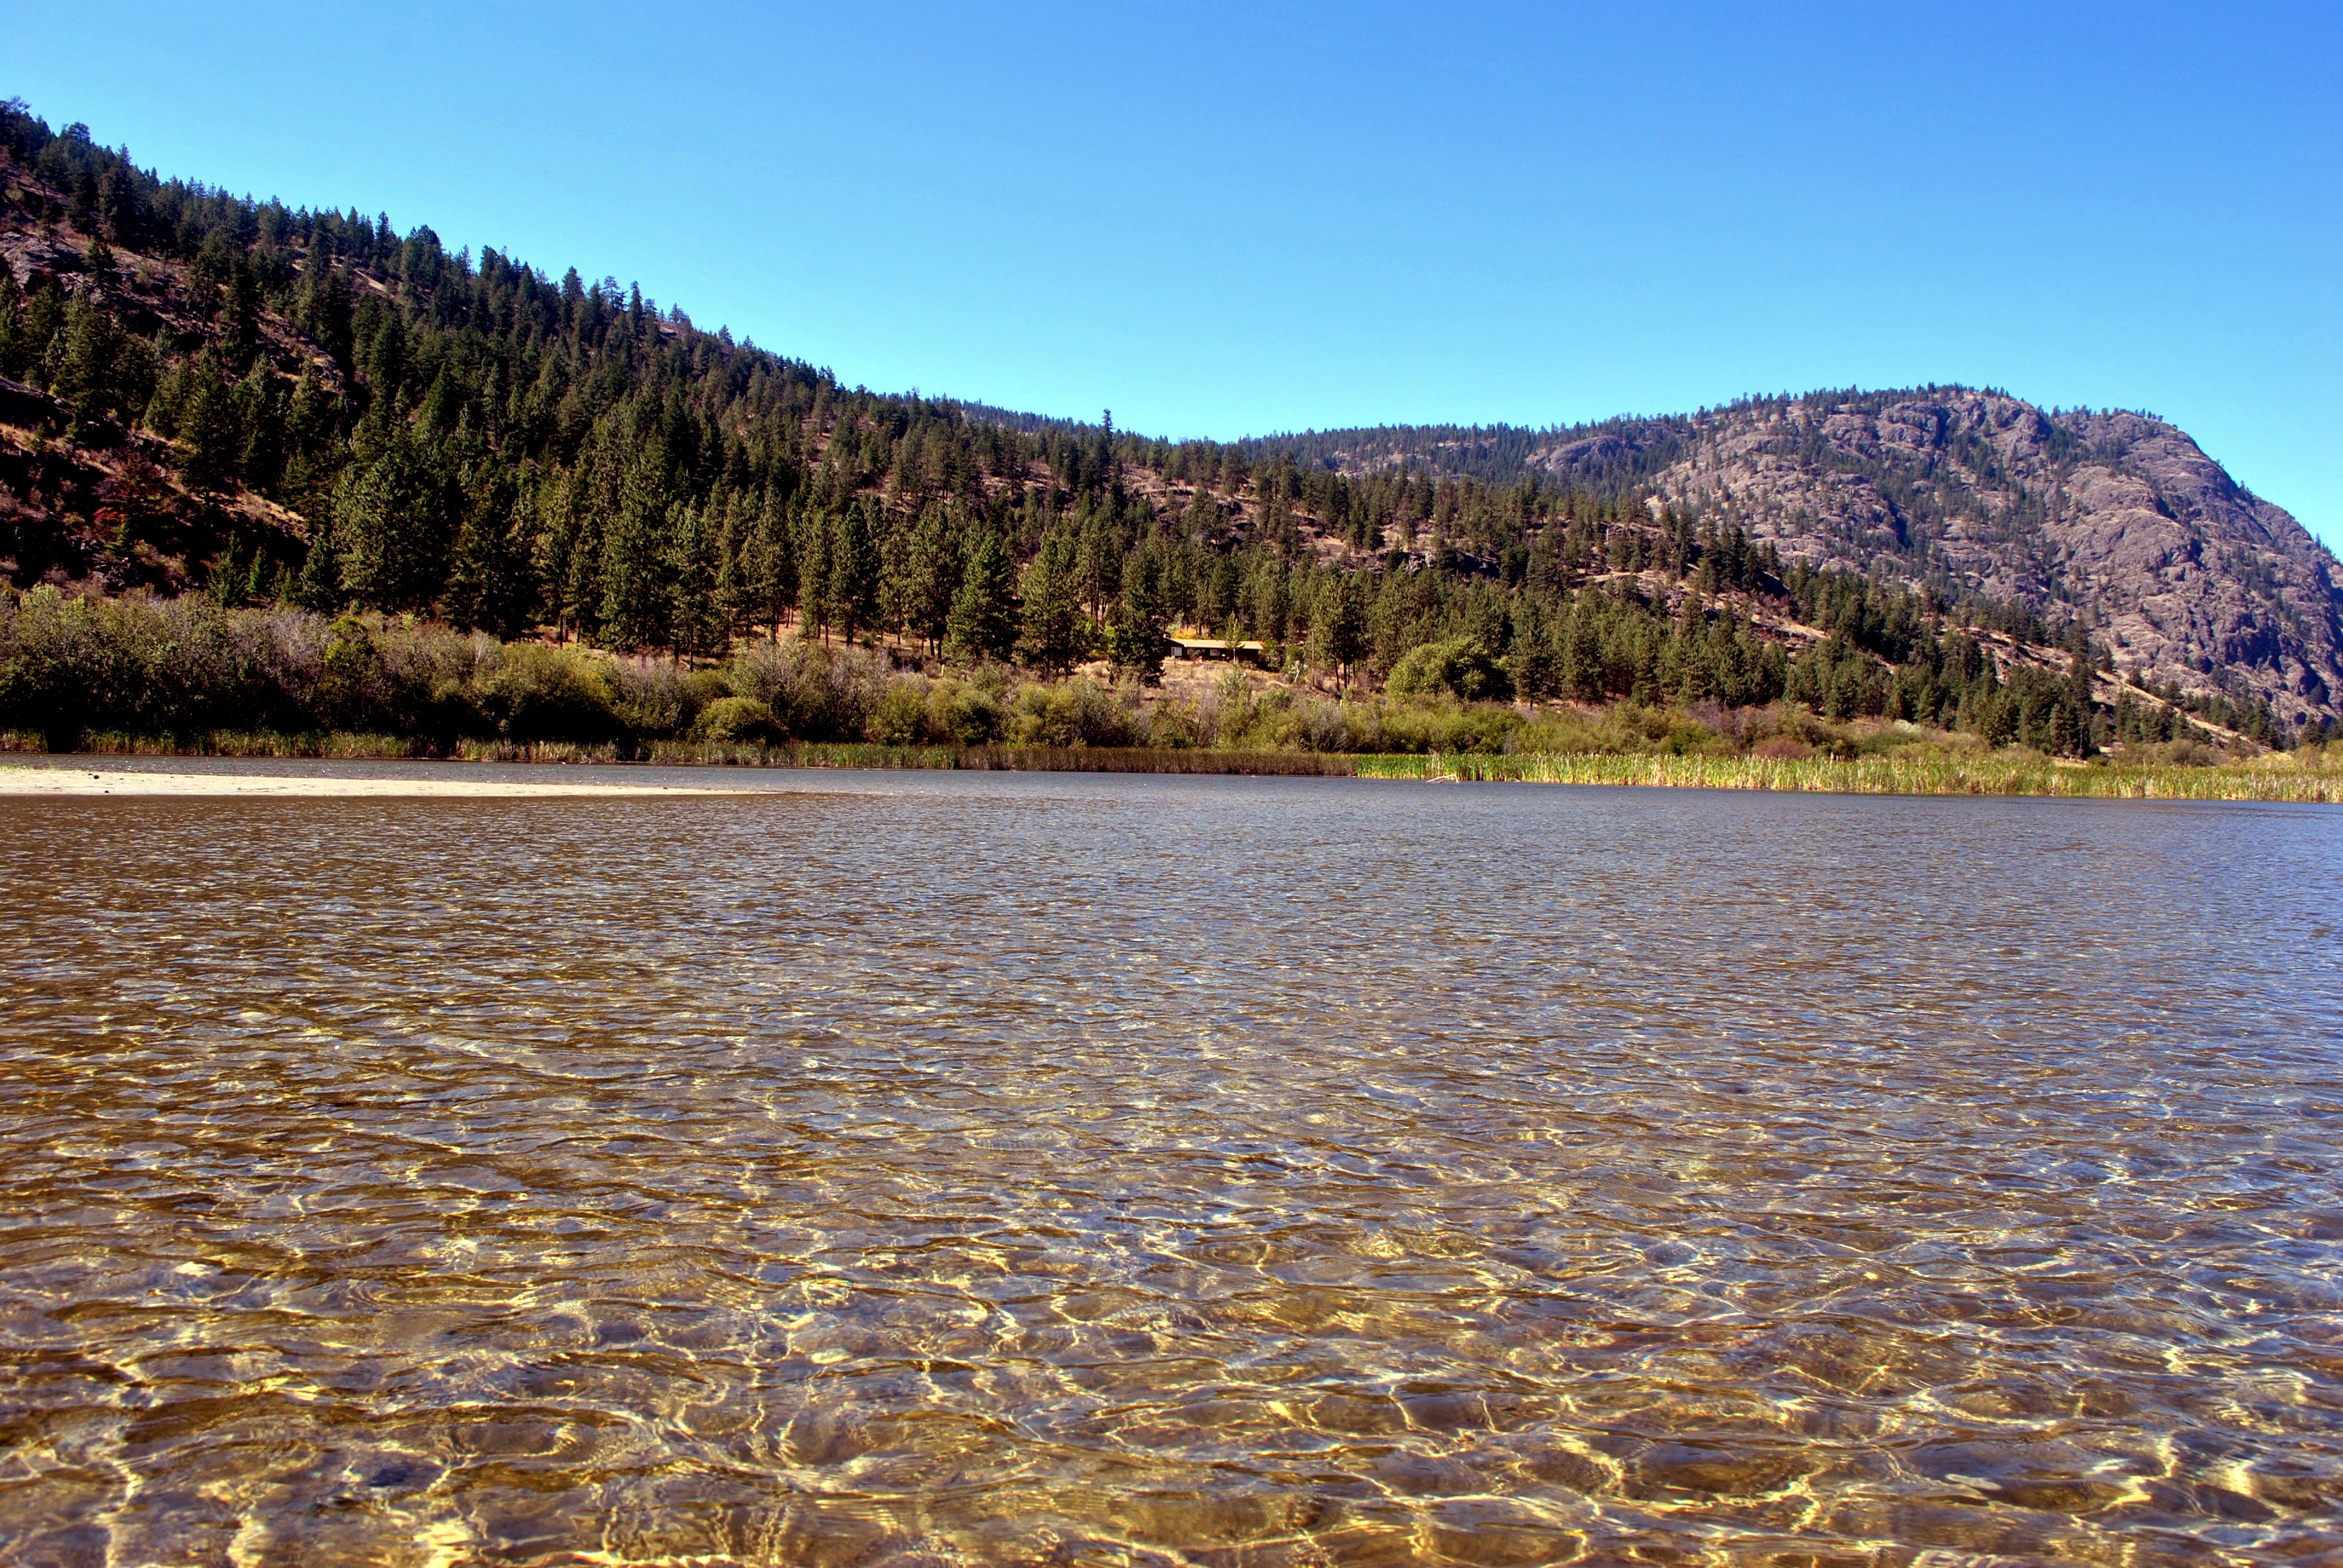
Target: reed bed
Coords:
[(1009, 759), (1159, 759), (332, 744), (798, 754), (1988, 775), (1877, 776)]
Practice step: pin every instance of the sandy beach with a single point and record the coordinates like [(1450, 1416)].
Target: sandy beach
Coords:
[(22, 780)]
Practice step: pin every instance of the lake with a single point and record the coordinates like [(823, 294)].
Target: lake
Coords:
[(926, 1168)]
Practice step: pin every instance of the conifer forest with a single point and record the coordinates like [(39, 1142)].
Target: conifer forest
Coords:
[(275, 469)]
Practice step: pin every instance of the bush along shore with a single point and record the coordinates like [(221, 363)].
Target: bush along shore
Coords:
[(185, 677)]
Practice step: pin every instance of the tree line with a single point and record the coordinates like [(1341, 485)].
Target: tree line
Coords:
[(466, 437)]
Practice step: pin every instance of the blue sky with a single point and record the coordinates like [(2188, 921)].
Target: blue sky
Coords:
[(1221, 222)]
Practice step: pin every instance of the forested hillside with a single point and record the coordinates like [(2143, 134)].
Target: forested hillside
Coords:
[(264, 403), (2116, 520)]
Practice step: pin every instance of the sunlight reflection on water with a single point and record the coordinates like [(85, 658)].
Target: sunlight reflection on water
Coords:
[(928, 1167)]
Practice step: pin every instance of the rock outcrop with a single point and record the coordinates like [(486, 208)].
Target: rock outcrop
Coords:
[(2117, 520)]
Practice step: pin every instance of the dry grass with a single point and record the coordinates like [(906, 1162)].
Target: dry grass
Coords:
[(2277, 777), (1982, 775)]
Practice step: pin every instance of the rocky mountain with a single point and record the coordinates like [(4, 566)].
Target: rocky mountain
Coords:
[(2117, 520)]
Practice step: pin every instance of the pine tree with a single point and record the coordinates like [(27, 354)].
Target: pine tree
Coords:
[(1529, 651), (1582, 674), (386, 369), (637, 610), (324, 306), (933, 572), (1099, 565), (697, 621), (813, 552), (86, 380), (239, 316), (553, 534), (1135, 643), (735, 598), (319, 587), (493, 583), (391, 526), (261, 461), (82, 205), (2065, 732), (311, 449), (854, 572), (773, 566), (210, 439), (15, 353), (589, 508), (983, 620), (121, 210), (1338, 628), (44, 318), (1054, 630)]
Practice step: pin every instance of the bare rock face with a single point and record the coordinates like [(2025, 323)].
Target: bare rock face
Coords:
[(2115, 519)]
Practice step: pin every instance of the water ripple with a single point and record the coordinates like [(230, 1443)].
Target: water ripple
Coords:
[(934, 1169)]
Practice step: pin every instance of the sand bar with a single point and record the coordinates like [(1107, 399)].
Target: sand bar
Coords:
[(22, 780)]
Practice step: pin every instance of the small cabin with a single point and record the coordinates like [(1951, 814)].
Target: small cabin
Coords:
[(1215, 647)]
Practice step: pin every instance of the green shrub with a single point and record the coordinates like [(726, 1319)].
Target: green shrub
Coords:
[(1078, 713), (737, 720), (815, 693), (657, 697), (899, 716), (964, 715), (551, 694), (1173, 727), (1459, 668), (1447, 727)]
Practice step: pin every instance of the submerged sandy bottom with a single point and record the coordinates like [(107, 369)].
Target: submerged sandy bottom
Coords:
[(934, 1169), (22, 780)]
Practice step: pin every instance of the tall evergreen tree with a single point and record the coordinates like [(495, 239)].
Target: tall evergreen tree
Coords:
[(1339, 628), (324, 306), (735, 598), (934, 573), (493, 581), (773, 566), (637, 608), (1055, 632), (319, 587), (984, 623), (854, 571), (16, 352), (210, 438), (1135, 642), (239, 317), (697, 622), (391, 527), (591, 499), (86, 381), (813, 532)]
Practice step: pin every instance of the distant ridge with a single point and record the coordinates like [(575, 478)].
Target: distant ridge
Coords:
[(2116, 519)]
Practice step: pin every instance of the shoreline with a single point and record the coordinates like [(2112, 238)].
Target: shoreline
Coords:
[(20, 781), (1982, 776)]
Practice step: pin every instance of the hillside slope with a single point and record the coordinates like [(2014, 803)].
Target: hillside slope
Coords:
[(2117, 520), (278, 405)]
